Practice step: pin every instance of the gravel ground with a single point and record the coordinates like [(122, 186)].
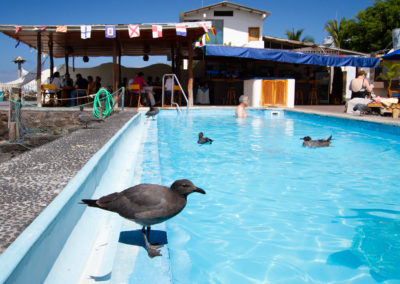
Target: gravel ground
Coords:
[(31, 180)]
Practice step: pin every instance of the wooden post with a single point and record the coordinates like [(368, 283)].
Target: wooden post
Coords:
[(190, 72), (39, 70), (66, 62), (51, 56), (172, 59), (115, 83), (14, 116), (119, 67)]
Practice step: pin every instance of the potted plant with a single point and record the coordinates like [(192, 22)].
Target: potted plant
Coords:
[(392, 71)]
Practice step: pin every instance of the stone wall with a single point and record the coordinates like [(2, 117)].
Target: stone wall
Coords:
[(46, 120)]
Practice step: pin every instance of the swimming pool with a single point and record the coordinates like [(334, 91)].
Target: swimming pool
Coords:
[(276, 212)]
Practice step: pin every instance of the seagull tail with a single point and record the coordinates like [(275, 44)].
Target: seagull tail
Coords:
[(90, 202)]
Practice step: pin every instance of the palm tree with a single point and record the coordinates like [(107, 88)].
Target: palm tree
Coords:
[(333, 29), (296, 35), (392, 71)]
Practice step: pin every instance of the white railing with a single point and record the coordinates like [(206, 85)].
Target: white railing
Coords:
[(172, 91)]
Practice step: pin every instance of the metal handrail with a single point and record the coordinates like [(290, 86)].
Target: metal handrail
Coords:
[(172, 91)]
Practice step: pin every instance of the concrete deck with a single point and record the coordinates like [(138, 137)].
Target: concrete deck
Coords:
[(30, 181)]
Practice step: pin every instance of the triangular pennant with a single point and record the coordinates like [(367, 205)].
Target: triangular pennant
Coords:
[(86, 31), (213, 30), (134, 31), (110, 31), (157, 31), (207, 37)]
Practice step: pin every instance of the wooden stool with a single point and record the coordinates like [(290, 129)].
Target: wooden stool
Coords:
[(299, 97), (313, 97), (231, 96)]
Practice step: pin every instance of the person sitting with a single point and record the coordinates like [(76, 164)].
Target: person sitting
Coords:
[(80, 88), (150, 81), (68, 85), (359, 85), (56, 80), (241, 108), (97, 83), (168, 89), (91, 85), (139, 79)]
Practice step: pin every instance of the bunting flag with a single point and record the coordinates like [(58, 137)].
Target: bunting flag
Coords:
[(204, 26), (42, 28), (157, 31), (110, 31), (44, 54), (17, 44), (200, 41), (17, 29), (86, 31), (207, 37), (61, 29), (213, 30), (181, 30), (134, 31)]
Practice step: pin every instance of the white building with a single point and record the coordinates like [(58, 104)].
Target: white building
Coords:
[(234, 24)]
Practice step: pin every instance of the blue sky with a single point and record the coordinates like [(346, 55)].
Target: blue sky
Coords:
[(310, 15)]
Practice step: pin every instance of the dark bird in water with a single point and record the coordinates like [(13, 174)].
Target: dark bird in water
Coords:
[(308, 142), (148, 204), (204, 140), (152, 112), (85, 117)]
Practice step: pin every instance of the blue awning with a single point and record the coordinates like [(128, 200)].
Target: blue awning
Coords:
[(290, 57), (395, 55)]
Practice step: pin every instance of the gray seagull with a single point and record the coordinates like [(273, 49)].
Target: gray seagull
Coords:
[(148, 204)]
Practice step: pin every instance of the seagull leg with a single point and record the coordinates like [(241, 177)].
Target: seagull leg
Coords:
[(152, 251)]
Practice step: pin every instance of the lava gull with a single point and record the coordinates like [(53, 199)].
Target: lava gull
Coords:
[(204, 140), (152, 112), (148, 204), (308, 142)]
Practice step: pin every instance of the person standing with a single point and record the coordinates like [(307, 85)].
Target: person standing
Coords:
[(241, 108)]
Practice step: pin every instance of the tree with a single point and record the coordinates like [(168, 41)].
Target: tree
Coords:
[(334, 30), (371, 30), (392, 71), (296, 35)]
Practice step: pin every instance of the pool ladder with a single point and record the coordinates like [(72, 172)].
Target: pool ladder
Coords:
[(172, 92)]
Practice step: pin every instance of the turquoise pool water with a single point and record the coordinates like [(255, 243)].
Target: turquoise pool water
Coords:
[(276, 212)]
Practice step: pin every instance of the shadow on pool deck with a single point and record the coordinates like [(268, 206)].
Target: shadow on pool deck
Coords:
[(136, 238)]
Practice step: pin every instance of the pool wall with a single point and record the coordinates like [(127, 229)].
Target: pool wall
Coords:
[(367, 125), (31, 256)]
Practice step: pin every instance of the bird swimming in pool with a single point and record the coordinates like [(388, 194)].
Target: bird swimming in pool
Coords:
[(308, 142), (204, 140)]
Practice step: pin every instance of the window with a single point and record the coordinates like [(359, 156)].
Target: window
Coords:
[(223, 13), (218, 38), (254, 34)]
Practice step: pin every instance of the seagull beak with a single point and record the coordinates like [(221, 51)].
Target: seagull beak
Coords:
[(199, 190)]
